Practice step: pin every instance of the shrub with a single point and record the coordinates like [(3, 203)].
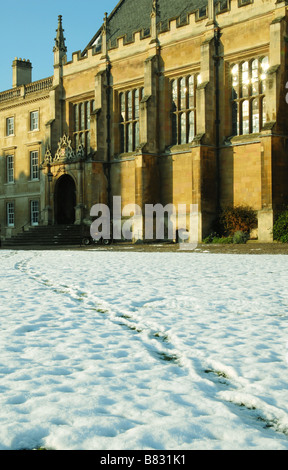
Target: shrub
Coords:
[(210, 238), (240, 237), (280, 228), (215, 238), (238, 219)]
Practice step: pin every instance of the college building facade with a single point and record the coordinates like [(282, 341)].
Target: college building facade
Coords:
[(171, 102)]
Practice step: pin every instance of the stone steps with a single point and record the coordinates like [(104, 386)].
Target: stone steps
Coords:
[(46, 236)]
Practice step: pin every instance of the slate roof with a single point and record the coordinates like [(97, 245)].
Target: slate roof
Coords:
[(130, 16)]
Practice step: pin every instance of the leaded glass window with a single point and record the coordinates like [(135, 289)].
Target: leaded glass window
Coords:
[(183, 119), (248, 86), (82, 124), (129, 104)]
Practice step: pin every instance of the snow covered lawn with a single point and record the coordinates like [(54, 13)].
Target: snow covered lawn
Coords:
[(129, 351)]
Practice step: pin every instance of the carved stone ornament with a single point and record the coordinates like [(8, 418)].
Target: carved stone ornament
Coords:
[(64, 151), (48, 156)]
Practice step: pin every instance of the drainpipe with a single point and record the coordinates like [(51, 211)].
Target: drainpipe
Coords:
[(217, 59), (108, 141)]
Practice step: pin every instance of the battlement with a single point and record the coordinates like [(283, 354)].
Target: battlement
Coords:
[(224, 13)]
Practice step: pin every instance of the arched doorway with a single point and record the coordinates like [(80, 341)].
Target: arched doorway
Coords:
[(65, 200)]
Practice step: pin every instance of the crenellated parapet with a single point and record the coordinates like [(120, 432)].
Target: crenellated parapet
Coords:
[(194, 22)]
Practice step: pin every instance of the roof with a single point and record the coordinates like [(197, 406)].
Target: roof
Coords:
[(130, 16)]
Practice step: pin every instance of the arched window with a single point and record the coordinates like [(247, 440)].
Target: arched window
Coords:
[(183, 97), (129, 115), (82, 123), (248, 83)]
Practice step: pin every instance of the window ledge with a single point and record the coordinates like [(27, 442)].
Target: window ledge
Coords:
[(179, 147), (245, 138)]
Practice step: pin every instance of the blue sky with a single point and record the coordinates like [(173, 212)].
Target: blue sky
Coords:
[(28, 30)]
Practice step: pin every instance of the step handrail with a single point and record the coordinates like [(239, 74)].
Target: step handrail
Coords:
[(29, 222)]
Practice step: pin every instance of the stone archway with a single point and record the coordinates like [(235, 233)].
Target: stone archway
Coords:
[(65, 200)]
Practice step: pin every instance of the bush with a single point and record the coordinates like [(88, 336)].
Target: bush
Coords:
[(215, 238), (240, 237), (280, 229), (238, 219)]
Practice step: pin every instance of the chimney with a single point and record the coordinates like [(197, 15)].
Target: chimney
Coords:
[(22, 72)]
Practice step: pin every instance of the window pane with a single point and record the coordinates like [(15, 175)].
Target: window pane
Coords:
[(10, 169), (10, 214), (183, 93), (10, 126), (34, 212), (88, 114), (191, 126), (136, 104), (137, 135), (34, 165), (122, 106), (264, 110), (183, 129), (235, 81), (88, 144), (245, 79), (122, 138), (129, 100), (130, 138), (175, 95), (255, 77), (174, 129), (235, 119), (191, 94), (264, 68), (255, 116), (34, 121), (76, 141), (81, 116), (245, 117), (76, 118)]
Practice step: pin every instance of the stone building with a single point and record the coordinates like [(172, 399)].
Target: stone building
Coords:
[(171, 102)]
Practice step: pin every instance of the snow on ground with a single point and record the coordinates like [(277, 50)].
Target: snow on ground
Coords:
[(130, 351)]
